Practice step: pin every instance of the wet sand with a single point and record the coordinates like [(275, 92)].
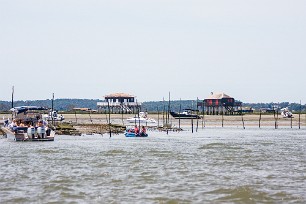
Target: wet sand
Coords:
[(250, 120)]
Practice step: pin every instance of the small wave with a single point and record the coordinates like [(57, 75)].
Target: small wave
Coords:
[(114, 152), (220, 145), (48, 151), (244, 194), (170, 200)]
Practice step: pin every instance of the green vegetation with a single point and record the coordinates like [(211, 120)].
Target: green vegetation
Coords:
[(67, 105)]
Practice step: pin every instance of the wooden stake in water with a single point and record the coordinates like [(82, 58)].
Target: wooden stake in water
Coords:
[(275, 119), (109, 121), (52, 109), (277, 116), (163, 111), (203, 121), (197, 115), (13, 102), (191, 124), (157, 117), (180, 114), (90, 116), (76, 119), (122, 116), (169, 108), (259, 118), (300, 114), (242, 118), (222, 116), (138, 109)]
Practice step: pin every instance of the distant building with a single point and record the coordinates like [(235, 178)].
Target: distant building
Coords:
[(220, 103), (119, 103)]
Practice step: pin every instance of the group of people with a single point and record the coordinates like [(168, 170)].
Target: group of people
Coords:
[(20, 123), (142, 132)]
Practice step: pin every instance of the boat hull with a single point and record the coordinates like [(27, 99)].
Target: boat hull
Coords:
[(131, 134), (23, 136), (184, 116), (142, 121)]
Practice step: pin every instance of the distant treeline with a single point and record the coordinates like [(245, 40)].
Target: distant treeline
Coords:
[(150, 106)]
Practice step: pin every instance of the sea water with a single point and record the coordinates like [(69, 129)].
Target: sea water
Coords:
[(212, 165)]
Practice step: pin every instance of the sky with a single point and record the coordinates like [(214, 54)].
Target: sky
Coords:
[(252, 50)]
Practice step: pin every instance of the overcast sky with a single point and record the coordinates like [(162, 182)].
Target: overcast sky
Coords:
[(252, 50)]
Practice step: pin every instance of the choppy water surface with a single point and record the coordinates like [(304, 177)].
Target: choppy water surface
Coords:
[(212, 165)]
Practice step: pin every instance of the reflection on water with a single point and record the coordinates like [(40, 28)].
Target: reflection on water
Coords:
[(212, 165)]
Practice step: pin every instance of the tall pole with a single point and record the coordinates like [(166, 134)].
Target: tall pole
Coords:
[(197, 115), (222, 115), (52, 109), (242, 117), (180, 113), (109, 122), (12, 101), (259, 117), (157, 117), (138, 109), (300, 114), (168, 114), (163, 111), (203, 123)]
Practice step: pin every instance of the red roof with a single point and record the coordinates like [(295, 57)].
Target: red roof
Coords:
[(119, 95), (218, 96)]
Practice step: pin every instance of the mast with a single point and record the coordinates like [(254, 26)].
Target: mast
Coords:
[(12, 101), (168, 114), (52, 108)]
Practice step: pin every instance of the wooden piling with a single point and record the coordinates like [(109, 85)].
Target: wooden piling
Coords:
[(13, 90), (76, 119), (52, 109), (222, 119), (203, 111), (197, 115), (242, 118), (179, 113), (259, 118), (300, 114), (157, 117), (109, 121)]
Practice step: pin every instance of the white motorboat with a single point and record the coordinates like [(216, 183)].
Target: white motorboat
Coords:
[(286, 113), (27, 125), (53, 116), (142, 119)]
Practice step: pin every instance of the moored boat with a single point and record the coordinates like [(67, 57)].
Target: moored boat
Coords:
[(142, 119), (186, 114)]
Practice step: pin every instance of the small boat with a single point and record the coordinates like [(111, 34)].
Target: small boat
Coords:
[(27, 125), (130, 132), (186, 114), (53, 116), (142, 119), (286, 113)]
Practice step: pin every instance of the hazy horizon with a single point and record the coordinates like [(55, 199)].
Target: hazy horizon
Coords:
[(251, 50)]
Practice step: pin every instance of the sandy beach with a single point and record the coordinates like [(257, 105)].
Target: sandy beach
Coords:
[(96, 123), (250, 120)]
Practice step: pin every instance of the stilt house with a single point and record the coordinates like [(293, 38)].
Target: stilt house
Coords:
[(220, 103), (119, 103)]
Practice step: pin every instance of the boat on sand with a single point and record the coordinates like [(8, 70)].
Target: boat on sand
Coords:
[(186, 114)]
